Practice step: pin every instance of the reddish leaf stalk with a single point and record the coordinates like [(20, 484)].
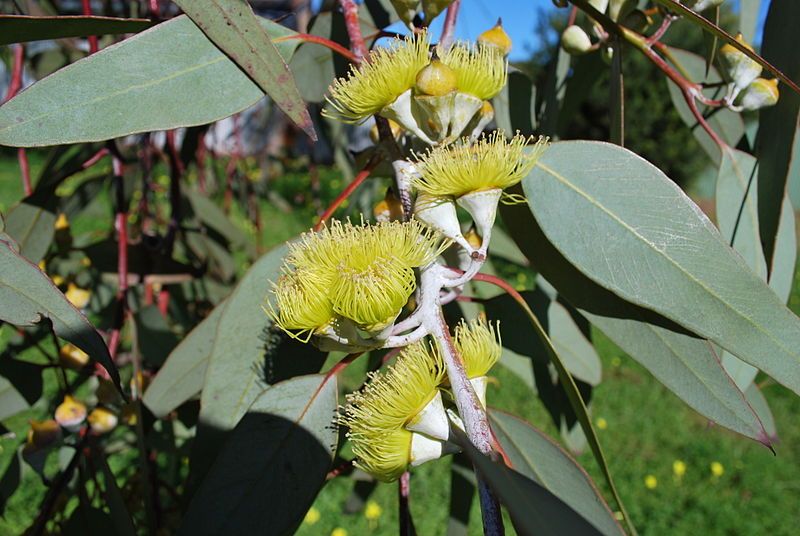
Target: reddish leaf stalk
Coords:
[(449, 29), (309, 38), (13, 88), (95, 158), (360, 178), (87, 10), (357, 44)]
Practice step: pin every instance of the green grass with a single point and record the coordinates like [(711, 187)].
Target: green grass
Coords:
[(648, 428)]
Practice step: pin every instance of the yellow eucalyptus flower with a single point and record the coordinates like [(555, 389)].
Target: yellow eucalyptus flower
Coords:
[(380, 416), (360, 272), (493, 162), (480, 71), (102, 420), (478, 343), (376, 83)]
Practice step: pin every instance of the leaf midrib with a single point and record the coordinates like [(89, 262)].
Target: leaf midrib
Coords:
[(623, 224)]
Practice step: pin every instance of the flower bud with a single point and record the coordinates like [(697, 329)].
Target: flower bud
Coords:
[(759, 94), (102, 420), (42, 434), (496, 36), (72, 357), (77, 296), (436, 79), (575, 42), (738, 66), (70, 414)]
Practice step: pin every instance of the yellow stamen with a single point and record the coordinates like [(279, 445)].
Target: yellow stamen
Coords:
[(481, 71), (479, 344), (493, 162), (376, 83), (377, 415)]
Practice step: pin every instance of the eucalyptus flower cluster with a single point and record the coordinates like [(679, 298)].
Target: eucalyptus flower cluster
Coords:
[(357, 287)]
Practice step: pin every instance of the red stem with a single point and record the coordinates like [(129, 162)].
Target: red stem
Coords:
[(357, 44), (22, 156), (309, 38), (360, 178), (448, 31), (341, 365), (95, 158), (13, 88), (87, 10)]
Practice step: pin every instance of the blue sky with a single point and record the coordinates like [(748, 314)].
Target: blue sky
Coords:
[(519, 20)]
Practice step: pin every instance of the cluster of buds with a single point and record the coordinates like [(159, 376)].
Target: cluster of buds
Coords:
[(408, 10), (747, 91), (357, 287)]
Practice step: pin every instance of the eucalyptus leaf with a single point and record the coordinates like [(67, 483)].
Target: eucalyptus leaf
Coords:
[(31, 224), (778, 125), (90, 100), (22, 28), (183, 373), (539, 458), (657, 249), (235, 29), (273, 464), (28, 296)]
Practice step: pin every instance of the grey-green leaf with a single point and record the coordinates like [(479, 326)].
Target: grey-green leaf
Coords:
[(688, 367), (21, 28), (191, 83), (629, 228), (31, 224), (234, 28), (28, 296), (536, 456), (183, 373), (273, 464)]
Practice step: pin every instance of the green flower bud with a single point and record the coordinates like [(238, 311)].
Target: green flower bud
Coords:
[(759, 94), (739, 67), (575, 41), (497, 37), (436, 79)]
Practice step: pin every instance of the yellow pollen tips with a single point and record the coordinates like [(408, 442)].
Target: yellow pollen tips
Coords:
[(360, 272), (481, 71), (436, 79), (378, 414), (376, 83), (493, 162), (496, 36), (478, 343)]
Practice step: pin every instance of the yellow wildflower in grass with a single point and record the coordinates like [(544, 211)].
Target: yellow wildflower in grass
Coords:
[(377, 415), (650, 482), (368, 88), (481, 71), (312, 516), (679, 468), (361, 272), (373, 511), (602, 424), (717, 469), (493, 162), (339, 531), (478, 344)]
